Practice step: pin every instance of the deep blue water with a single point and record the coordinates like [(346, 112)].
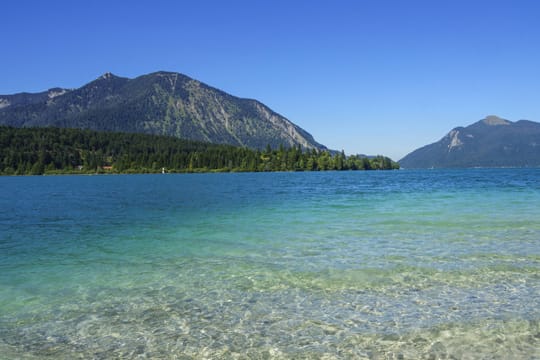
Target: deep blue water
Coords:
[(412, 264)]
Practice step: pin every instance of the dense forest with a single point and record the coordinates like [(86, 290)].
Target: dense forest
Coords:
[(36, 151)]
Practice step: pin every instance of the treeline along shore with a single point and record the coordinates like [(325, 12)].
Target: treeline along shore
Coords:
[(37, 151)]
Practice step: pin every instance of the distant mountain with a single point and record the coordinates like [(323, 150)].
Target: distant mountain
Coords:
[(491, 142), (162, 103)]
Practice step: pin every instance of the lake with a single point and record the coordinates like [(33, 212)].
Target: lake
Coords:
[(399, 264)]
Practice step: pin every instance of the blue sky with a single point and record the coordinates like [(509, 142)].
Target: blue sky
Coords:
[(375, 77)]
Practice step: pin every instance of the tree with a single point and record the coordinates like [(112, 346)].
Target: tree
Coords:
[(38, 150)]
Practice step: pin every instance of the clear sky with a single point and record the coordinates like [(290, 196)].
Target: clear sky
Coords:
[(373, 77)]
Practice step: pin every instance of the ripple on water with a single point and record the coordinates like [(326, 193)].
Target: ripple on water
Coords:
[(234, 321), (410, 265)]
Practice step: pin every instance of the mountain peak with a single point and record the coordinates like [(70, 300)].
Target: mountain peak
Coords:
[(165, 73), (164, 103), (107, 76), (491, 142), (494, 120)]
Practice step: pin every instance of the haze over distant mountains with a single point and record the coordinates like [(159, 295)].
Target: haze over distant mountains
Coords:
[(163, 103), (490, 142)]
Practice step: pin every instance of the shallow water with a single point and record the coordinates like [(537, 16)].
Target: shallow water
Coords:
[(403, 264)]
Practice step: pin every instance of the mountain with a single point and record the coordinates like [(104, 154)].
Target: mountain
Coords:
[(162, 103), (490, 142)]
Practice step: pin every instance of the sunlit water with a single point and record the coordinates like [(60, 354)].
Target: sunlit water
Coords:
[(403, 264)]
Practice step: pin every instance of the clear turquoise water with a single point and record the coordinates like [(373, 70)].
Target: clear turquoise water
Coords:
[(403, 264)]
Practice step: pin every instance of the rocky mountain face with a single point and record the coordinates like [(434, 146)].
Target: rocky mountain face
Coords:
[(163, 103), (490, 142)]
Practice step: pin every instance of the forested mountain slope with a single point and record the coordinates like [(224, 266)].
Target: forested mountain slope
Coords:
[(161, 103)]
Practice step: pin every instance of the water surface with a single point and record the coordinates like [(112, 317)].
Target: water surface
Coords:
[(404, 264)]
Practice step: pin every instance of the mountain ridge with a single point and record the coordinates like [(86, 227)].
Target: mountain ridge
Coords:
[(160, 103), (489, 142)]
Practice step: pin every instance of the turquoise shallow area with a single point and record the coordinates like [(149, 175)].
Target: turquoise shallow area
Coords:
[(402, 264)]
